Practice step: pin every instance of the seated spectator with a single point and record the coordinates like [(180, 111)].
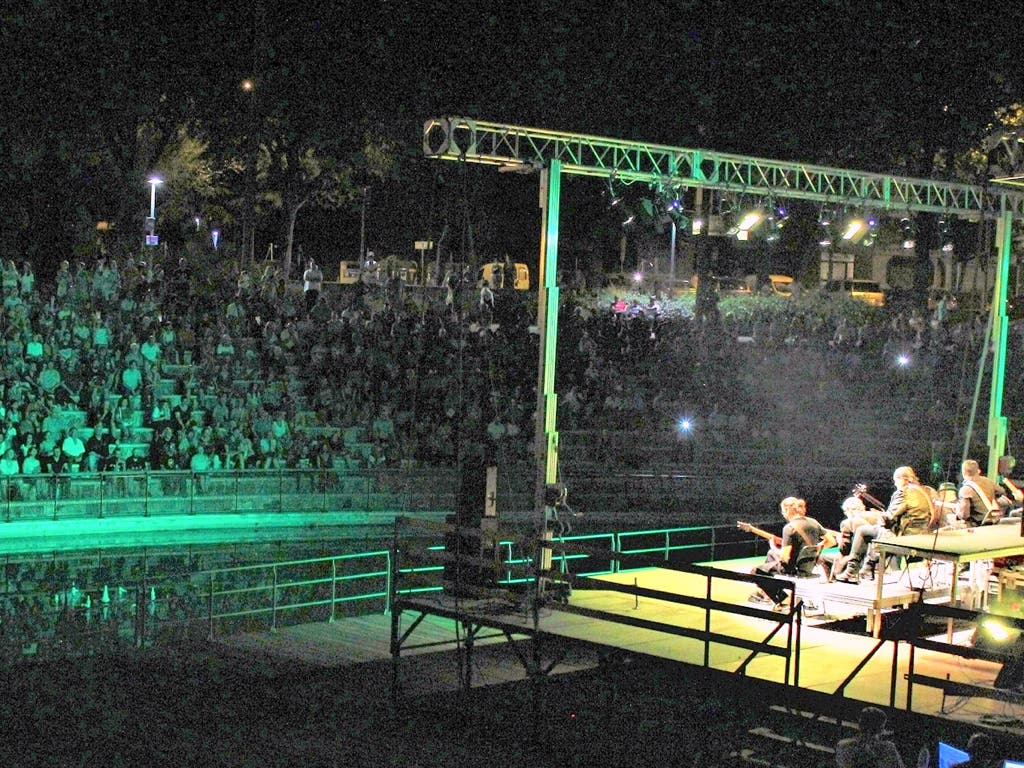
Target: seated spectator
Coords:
[(99, 450), (74, 449), (34, 347), (982, 749), (150, 351), (9, 469), (870, 748), (131, 378), (100, 333)]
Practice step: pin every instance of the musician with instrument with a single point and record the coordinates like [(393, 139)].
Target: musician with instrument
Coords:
[(855, 515), (796, 551), (911, 510), (981, 500)]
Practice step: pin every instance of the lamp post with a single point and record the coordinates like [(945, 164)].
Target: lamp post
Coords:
[(151, 236), (248, 87)]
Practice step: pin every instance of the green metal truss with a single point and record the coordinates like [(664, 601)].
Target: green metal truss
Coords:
[(515, 148)]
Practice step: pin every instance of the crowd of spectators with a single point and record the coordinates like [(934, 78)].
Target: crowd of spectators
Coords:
[(145, 363), (132, 365)]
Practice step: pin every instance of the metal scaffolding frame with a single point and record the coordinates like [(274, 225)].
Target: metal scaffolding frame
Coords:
[(521, 149), (518, 148)]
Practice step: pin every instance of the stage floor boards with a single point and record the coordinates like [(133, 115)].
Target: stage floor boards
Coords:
[(827, 656)]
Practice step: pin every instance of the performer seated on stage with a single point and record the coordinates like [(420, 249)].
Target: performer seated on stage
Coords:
[(795, 552), (981, 501), (1015, 487), (910, 510), (856, 515)]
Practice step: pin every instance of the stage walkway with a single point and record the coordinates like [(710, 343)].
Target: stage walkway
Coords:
[(831, 647)]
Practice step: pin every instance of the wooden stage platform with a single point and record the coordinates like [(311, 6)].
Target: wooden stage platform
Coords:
[(836, 656)]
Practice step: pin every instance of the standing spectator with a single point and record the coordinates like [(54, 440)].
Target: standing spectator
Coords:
[(312, 282), (870, 748), (200, 464)]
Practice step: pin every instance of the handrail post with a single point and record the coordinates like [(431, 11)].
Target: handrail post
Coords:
[(799, 636), (210, 608), (895, 672), (273, 611), (707, 623), (334, 586), (145, 492)]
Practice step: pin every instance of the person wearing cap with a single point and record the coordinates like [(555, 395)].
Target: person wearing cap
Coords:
[(981, 501), (946, 503), (871, 747)]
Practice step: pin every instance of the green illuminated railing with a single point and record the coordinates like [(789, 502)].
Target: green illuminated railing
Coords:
[(665, 541), (259, 596), (151, 493), (311, 589)]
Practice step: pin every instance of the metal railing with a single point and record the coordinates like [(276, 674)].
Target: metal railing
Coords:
[(151, 493), (257, 597)]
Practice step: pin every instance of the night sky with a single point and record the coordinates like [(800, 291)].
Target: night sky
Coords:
[(873, 86)]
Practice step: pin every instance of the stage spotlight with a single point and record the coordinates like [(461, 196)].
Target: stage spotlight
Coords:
[(946, 235), (903, 360), (995, 629), (854, 229), (747, 223), (638, 277), (1007, 641), (685, 425), (907, 226)]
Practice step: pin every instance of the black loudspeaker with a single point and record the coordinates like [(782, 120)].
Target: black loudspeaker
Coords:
[(472, 496), (470, 562)]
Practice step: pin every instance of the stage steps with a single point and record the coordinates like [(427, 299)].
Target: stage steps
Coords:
[(792, 738)]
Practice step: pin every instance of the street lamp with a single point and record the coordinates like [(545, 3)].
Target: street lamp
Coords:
[(151, 236), (248, 87), (153, 181)]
